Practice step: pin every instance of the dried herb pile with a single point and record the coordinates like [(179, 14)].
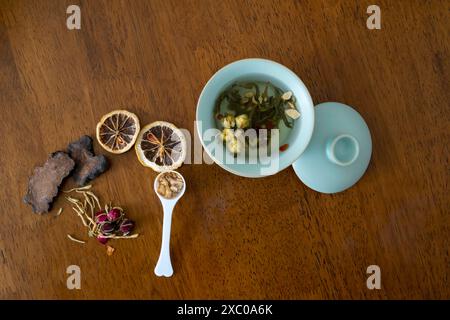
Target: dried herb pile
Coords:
[(103, 223)]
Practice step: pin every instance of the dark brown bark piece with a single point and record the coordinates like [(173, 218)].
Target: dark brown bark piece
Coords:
[(87, 165), (44, 183)]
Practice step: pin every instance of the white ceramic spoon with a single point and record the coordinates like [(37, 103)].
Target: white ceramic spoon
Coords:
[(164, 265)]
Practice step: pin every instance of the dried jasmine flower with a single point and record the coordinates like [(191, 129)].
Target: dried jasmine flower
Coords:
[(228, 121), (242, 121)]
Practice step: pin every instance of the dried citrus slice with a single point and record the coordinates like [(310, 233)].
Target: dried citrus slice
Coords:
[(161, 146), (117, 131)]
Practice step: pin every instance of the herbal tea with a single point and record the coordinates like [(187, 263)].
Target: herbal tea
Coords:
[(254, 105)]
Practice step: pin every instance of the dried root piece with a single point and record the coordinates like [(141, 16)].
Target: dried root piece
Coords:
[(87, 165), (44, 183)]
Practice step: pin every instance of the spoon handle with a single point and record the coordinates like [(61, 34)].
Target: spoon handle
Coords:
[(164, 265)]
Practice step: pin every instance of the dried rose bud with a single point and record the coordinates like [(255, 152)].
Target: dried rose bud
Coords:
[(107, 228), (126, 226), (102, 239), (101, 217), (114, 214)]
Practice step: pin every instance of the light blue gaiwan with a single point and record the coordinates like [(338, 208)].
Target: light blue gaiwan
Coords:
[(339, 151), (329, 147)]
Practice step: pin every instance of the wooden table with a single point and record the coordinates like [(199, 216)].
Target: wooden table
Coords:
[(232, 237)]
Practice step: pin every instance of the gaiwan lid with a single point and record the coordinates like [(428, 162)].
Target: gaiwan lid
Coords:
[(339, 151)]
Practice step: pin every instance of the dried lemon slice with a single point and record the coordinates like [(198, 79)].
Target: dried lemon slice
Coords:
[(117, 131), (161, 146)]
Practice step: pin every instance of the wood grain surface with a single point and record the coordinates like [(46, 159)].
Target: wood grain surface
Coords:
[(232, 237)]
